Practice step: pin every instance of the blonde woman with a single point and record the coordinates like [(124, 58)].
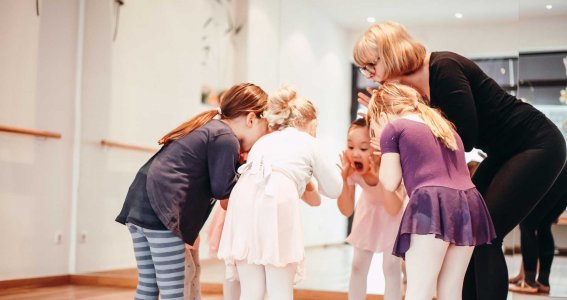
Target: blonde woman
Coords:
[(523, 175), (446, 215), (262, 236)]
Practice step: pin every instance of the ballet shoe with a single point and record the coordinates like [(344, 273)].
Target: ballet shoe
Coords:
[(542, 288), (523, 287)]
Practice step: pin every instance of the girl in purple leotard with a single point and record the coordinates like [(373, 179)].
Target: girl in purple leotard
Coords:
[(446, 215)]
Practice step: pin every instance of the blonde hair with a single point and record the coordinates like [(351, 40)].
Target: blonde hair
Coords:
[(239, 100), (391, 43), (397, 99), (287, 109)]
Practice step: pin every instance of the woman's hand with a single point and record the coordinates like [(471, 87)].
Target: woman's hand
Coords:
[(345, 166), (363, 98)]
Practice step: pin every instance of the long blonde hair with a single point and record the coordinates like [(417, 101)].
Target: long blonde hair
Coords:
[(287, 109), (396, 99), (391, 43), (239, 100)]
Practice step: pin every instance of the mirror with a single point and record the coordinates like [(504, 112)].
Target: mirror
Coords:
[(308, 44)]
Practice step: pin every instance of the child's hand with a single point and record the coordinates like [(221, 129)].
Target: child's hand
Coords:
[(345, 166), (375, 144), (195, 245), (310, 187), (243, 157), (371, 177)]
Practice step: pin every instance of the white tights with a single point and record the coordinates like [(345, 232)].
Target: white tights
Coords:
[(433, 265), (391, 266), (256, 280), (231, 290)]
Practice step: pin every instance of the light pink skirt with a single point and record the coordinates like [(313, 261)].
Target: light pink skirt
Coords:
[(263, 224), (214, 231)]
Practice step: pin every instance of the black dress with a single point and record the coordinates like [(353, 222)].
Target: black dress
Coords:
[(525, 163)]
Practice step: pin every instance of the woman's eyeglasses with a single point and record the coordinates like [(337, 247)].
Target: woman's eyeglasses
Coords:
[(369, 69)]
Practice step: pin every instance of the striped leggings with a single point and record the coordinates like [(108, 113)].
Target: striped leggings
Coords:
[(160, 256)]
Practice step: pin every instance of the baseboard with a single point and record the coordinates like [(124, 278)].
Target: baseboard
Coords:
[(518, 251), (327, 295), (35, 282)]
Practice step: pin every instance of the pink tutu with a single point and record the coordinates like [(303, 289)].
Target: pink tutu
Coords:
[(214, 231), (263, 224), (373, 229)]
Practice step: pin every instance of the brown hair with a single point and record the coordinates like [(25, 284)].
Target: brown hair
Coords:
[(396, 99), (287, 109), (239, 100), (392, 43), (358, 123)]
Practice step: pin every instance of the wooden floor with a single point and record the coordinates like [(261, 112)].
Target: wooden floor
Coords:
[(77, 292), (327, 275)]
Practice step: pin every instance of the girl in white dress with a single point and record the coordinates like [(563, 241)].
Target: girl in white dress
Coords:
[(262, 236)]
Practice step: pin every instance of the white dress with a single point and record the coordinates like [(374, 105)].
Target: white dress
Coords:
[(263, 220)]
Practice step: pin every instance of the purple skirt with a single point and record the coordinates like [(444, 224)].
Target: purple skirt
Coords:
[(459, 217)]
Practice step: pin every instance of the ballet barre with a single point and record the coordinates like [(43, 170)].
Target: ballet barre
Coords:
[(107, 143), (32, 132)]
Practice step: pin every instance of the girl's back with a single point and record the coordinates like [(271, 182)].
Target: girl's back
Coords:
[(425, 160), (296, 154)]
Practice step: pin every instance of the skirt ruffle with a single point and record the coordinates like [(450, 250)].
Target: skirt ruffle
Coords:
[(459, 217)]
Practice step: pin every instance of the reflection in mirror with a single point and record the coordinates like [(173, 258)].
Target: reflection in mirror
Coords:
[(193, 49)]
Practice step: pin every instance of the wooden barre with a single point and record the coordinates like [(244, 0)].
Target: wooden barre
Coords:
[(108, 143), (33, 132)]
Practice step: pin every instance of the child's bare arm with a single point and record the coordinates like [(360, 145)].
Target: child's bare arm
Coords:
[(345, 201), (311, 195)]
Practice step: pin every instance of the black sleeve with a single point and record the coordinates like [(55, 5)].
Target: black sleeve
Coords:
[(455, 99), (223, 158)]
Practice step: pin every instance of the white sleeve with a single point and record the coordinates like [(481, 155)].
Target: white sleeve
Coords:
[(327, 173)]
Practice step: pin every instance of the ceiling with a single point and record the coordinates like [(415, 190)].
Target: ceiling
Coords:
[(353, 14)]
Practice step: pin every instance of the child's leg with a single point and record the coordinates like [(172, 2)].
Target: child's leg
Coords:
[(450, 284), (392, 268), (279, 281), (231, 289), (359, 273), (423, 264), (192, 274), (252, 281), (168, 254), (147, 285)]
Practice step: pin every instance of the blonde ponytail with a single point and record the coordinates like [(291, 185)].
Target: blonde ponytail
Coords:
[(440, 127), (397, 99)]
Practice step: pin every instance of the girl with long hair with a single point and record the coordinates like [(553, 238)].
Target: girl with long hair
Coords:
[(446, 215), (173, 193)]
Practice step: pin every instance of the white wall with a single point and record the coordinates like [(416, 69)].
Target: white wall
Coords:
[(37, 73), (291, 42), (135, 90), (314, 59)]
